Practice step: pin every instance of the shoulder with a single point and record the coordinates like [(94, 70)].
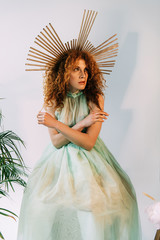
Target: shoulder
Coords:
[(101, 100), (93, 106)]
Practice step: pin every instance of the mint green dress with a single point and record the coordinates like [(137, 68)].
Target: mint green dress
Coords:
[(76, 194)]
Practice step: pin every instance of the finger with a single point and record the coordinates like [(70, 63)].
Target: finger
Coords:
[(106, 113), (100, 120), (40, 122), (100, 115), (40, 114), (103, 113), (40, 117)]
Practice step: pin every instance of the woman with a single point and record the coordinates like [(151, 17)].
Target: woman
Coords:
[(77, 189)]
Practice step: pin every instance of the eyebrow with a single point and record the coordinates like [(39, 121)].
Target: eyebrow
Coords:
[(79, 66)]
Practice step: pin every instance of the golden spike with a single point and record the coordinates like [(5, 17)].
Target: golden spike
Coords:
[(40, 69), (29, 59), (105, 72), (108, 61), (90, 25), (75, 43), (43, 47), (44, 54), (57, 36), (55, 42), (36, 55), (37, 65), (41, 57), (68, 46), (115, 45), (30, 55), (108, 49), (88, 46), (104, 57), (84, 28), (106, 53), (47, 45), (87, 21), (99, 58), (149, 196), (111, 49), (105, 42), (56, 49), (93, 22), (71, 44), (100, 61), (80, 32), (106, 65)]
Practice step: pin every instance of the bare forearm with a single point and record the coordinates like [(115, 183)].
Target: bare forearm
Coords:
[(73, 135), (60, 140)]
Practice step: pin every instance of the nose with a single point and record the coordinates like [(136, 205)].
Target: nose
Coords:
[(82, 74)]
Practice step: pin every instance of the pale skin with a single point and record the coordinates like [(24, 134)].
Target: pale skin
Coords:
[(93, 122)]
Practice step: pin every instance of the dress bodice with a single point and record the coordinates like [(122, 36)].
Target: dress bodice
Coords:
[(75, 94), (74, 110)]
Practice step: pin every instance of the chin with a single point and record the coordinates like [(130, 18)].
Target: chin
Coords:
[(82, 87)]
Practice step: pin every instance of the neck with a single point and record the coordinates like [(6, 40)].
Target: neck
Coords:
[(75, 91)]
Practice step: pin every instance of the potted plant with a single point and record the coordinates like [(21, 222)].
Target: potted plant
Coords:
[(12, 167)]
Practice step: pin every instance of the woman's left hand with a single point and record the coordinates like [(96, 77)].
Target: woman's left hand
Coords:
[(46, 119)]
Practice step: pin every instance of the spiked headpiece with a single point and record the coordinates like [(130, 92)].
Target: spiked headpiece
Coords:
[(49, 41)]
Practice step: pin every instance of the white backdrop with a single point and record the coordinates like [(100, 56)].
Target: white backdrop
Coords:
[(132, 96)]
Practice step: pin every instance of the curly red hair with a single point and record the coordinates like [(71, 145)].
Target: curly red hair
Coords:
[(56, 80)]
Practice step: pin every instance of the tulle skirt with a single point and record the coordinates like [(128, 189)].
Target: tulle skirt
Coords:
[(75, 194)]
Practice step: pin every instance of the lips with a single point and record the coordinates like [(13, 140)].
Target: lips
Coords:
[(82, 82)]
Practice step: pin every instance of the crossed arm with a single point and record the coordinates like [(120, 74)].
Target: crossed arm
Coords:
[(58, 139), (85, 140)]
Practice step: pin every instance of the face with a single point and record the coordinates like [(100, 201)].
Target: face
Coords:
[(78, 76)]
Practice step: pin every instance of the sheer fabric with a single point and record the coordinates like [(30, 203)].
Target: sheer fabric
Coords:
[(75, 194)]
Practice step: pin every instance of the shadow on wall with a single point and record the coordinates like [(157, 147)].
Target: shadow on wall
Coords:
[(125, 67)]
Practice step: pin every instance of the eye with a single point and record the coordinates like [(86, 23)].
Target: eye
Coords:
[(76, 69), (86, 70)]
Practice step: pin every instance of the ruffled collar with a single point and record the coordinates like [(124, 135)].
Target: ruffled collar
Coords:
[(74, 95)]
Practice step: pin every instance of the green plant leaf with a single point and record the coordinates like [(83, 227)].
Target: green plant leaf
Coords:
[(1, 236), (6, 210), (12, 166)]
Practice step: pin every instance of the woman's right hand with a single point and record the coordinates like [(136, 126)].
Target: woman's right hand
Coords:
[(94, 116)]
